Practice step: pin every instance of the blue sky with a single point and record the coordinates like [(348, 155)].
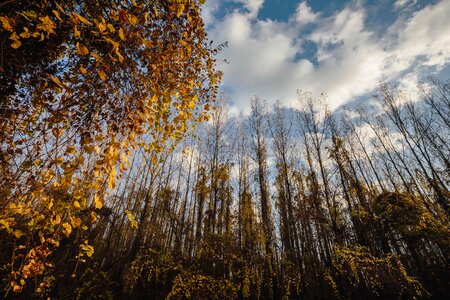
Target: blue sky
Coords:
[(341, 48)]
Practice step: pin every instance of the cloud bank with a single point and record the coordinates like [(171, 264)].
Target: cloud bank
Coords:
[(338, 54)]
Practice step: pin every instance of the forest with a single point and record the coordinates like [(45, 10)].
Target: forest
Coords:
[(124, 175)]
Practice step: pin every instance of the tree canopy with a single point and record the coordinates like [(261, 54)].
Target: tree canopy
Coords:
[(83, 83)]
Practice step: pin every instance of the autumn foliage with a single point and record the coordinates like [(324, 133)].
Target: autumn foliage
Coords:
[(83, 84)]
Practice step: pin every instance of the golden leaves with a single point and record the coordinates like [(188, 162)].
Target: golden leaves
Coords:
[(29, 15), (46, 25), (101, 74), (6, 24), (115, 47), (132, 219), (93, 50), (19, 208), (133, 19), (55, 80), (16, 288), (93, 216), (58, 82), (112, 178), (16, 42), (76, 204), (83, 70), (180, 10), (18, 233), (75, 222), (71, 149), (86, 249), (83, 20), (101, 27), (25, 34), (98, 202), (56, 220), (57, 132), (121, 34), (125, 159), (67, 229), (56, 13), (82, 49), (76, 32), (111, 27), (5, 223)]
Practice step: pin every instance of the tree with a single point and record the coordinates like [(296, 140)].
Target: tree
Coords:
[(82, 85)]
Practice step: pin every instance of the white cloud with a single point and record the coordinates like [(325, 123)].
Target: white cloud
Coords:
[(266, 57), (402, 3), (426, 34), (304, 14), (208, 10), (252, 5)]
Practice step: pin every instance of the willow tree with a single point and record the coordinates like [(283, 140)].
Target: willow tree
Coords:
[(82, 84)]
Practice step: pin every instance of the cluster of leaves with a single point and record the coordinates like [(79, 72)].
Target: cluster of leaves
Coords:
[(381, 276), (83, 84), (195, 286), (94, 285)]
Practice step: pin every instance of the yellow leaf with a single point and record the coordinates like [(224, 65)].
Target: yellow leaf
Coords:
[(25, 35), (16, 44), (29, 15), (113, 171), (5, 223), (76, 204), (75, 221), (96, 56), (67, 229), (119, 55), (133, 19), (102, 74), (82, 49), (76, 32), (56, 220), (125, 159), (17, 288), (57, 132), (54, 242), (56, 13), (82, 19), (180, 10), (50, 204), (111, 182), (87, 249), (101, 27), (98, 202), (111, 27), (78, 194), (93, 216), (6, 24), (71, 149), (121, 34), (18, 233), (59, 7), (131, 218), (83, 71), (55, 80)]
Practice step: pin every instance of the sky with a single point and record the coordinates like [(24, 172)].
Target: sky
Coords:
[(342, 49)]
